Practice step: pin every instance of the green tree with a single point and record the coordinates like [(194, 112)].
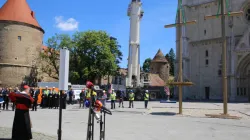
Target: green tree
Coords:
[(93, 54), (146, 65), (50, 55), (97, 54), (171, 59)]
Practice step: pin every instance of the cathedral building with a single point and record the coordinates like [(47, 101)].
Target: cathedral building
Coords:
[(202, 51), (21, 39)]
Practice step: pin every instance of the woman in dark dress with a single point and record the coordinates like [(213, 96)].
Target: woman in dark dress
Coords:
[(22, 125)]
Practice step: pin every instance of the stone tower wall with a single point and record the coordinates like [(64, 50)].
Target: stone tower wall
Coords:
[(164, 72), (160, 68), (19, 49)]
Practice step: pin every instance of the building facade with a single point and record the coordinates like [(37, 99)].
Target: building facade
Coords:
[(159, 65), (202, 51), (157, 77), (21, 39)]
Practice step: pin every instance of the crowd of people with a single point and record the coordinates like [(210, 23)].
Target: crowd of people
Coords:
[(114, 97), (51, 98), (4, 98), (27, 98)]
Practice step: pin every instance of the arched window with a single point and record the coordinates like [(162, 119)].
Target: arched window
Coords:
[(247, 14)]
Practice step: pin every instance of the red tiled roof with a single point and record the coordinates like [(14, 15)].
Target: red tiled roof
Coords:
[(18, 10), (44, 47), (155, 80)]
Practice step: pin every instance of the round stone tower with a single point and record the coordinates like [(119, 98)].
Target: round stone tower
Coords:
[(159, 65), (21, 40)]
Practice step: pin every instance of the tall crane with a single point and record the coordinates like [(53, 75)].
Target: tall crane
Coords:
[(135, 13)]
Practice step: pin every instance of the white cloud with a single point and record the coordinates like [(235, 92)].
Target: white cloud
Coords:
[(66, 25)]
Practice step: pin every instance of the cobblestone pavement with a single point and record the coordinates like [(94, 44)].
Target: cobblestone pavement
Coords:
[(5, 133), (156, 123)]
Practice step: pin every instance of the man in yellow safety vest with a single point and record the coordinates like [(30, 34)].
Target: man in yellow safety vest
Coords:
[(113, 98), (89, 92), (131, 98), (146, 98)]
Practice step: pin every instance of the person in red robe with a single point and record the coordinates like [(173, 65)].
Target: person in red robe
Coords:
[(21, 129)]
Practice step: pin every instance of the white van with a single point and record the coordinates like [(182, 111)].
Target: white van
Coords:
[(77, 94)]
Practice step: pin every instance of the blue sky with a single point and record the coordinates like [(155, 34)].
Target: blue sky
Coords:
[(67, 16)]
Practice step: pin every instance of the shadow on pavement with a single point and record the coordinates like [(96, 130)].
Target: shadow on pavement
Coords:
[(132, 112), (4, 139), (164, 113)]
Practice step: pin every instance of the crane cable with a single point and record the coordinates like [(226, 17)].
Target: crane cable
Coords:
[(227, 7), (180, 8)]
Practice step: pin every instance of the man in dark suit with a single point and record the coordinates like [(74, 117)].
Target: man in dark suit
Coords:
[(6, 99), (34, 95)]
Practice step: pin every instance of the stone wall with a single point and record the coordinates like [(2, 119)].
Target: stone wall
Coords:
[(164, 72), (160, 68), (19, 49)]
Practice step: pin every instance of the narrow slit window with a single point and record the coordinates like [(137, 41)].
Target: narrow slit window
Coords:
[(206, 53), (19, 38), (219, 72)]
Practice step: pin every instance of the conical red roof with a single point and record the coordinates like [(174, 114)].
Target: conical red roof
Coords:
[(18, 10), (159, 57)]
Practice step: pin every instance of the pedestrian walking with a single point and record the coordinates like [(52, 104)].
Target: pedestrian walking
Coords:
[(71, 94), (6, 99), (1, 97), (35, 97), (121, 98), (146, 98), (45, 97), (113, 99), (13, 103), (56, 99), (82, 98), (104, 98), (50, 100), (90, 93), (21, 129), (131, 99), (64, 96)]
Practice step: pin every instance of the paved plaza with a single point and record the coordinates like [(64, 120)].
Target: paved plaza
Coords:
[(158, 122)]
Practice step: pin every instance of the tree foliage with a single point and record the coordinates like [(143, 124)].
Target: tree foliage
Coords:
[(93, 54), (50, 55), (146, 65), (171, 59)]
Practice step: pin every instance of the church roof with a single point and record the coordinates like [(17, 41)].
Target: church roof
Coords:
[(18, 10), (156, 81), (159, 57)]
